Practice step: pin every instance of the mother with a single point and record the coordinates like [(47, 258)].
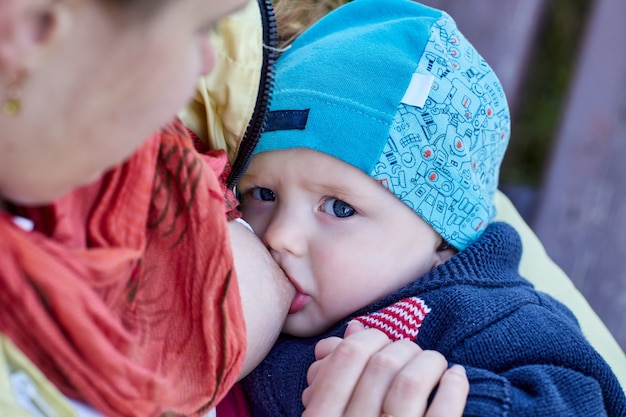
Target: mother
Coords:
[(109, 310), (117, 279)]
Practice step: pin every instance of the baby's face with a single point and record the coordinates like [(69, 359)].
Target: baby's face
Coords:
[(343, 240)]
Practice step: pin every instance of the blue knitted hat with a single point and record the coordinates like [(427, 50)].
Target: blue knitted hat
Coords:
[(393, 88)]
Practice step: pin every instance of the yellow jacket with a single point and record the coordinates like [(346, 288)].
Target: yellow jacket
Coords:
[(229, 107)]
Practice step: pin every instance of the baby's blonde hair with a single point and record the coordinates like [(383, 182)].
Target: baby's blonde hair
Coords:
[(294, 16)]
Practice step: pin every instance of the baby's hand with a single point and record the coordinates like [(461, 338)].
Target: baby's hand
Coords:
[(366, 375)]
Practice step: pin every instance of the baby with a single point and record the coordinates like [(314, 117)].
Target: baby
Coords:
[(373, 188)]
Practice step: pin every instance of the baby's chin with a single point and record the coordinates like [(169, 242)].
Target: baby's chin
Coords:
[(299, 327)]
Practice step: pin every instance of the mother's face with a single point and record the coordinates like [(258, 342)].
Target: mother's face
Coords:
[(94, 87)]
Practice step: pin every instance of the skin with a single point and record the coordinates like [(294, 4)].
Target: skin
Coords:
[(343, 240), (126, 78)]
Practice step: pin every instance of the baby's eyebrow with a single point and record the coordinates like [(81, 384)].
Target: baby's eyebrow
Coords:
[(333, 189), (247, 179)]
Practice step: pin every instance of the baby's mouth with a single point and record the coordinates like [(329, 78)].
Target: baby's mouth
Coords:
[(298, 303), (300, 300)]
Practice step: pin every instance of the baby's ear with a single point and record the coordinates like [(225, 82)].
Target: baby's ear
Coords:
[(444, 252)]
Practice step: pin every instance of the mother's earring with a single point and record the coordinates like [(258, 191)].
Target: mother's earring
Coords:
[(13, 97)]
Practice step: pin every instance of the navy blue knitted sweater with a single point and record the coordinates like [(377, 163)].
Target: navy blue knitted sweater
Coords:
[(523, 351)]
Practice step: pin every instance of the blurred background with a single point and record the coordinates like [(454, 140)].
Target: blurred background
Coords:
[(544, 88)]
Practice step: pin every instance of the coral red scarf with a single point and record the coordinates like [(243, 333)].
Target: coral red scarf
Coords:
[(125, 294)]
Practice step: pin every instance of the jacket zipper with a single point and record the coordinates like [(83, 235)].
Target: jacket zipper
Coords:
[(257, 121)]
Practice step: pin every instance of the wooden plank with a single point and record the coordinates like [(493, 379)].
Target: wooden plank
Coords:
[(581, 212), (503, 31)]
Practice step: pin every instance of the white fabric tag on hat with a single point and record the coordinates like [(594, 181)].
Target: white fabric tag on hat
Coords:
[(417, 92)]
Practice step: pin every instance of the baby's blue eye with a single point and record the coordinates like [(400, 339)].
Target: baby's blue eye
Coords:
[(338, 208), (263, 194)]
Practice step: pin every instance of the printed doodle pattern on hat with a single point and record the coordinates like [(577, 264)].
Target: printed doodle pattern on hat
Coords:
[(399, 321), (443, 159)]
